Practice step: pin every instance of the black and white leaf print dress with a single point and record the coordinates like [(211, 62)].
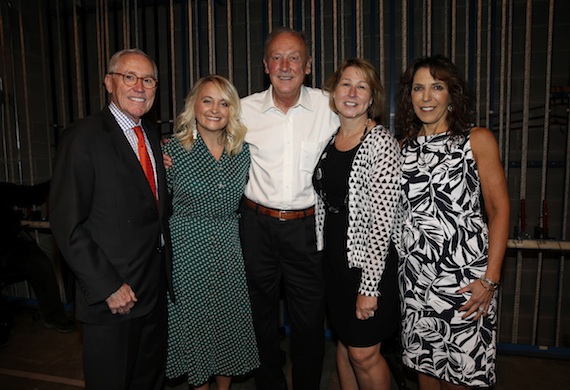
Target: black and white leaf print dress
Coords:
[(443, 243)]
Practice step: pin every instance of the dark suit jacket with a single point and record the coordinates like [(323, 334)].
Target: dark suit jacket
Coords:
[(105, 219)]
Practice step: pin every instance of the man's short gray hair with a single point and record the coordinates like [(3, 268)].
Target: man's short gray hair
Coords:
[(283, 30), (114, 61)]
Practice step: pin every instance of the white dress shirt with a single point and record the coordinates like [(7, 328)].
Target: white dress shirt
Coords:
[(285, 147), (126, 124)]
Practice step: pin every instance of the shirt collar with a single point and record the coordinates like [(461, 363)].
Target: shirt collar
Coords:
[(125, 123), (303, 101)]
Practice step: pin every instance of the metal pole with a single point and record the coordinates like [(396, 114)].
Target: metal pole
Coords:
[(78, 83), (382, 51), (342, 32), (322, 40), (429, 27), (490, 56), (100, 57), (358, 22), (453, 30), (16, 117), (564, 227), (404, 32), (126, 27), (4, 99), (335, 16), (478, 49), (45, 87), (467, 27), (172, 58), (544, 169), (524, 159), (248, 46), (313, 50), (230, 41), (136, 19), (190, 47), (211, 38)]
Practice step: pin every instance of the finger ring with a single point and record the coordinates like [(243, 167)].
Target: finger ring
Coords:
[(482, 310), (371, 314)]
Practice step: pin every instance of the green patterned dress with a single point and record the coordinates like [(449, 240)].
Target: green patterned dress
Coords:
[(210, 326)]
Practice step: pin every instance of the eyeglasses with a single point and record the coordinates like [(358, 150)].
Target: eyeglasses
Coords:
[(130, 80)]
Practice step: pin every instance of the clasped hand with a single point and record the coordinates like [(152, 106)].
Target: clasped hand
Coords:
[(365, 306), (122, 300)]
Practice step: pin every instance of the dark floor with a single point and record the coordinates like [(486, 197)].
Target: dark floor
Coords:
[(41, 359)]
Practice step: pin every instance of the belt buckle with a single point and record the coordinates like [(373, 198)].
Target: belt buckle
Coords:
[(282, 219)]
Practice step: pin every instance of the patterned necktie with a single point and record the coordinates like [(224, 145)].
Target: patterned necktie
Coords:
[(145, 159)]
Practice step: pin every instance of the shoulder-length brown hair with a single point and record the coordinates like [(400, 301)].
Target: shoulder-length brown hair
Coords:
[(376, 109), (459, 118)]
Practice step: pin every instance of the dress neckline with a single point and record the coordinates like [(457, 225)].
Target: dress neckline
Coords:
[(428, 138), (346, 151)]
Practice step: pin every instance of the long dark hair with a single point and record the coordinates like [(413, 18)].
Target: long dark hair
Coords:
[(441, 68)]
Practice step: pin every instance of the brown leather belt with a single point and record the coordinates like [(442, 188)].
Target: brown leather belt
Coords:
[(282, 215)]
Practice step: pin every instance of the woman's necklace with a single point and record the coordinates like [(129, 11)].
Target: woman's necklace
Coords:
[(347, 142), (365, 130)]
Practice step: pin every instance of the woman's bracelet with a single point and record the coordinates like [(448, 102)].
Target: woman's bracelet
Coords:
[(491, 286), (485, 287)]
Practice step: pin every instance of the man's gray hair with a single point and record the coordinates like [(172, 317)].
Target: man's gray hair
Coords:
[(114, 61), (282, 30)]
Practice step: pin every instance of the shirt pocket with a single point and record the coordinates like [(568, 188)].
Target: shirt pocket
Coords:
[(310, 153)]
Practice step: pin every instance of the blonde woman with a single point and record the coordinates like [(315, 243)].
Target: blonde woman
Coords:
[(210, 323)]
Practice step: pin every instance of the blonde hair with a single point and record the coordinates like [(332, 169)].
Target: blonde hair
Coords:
[(232, 136)]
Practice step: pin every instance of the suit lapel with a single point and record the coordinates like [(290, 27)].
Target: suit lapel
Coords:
[(154, 139), (126, 154)]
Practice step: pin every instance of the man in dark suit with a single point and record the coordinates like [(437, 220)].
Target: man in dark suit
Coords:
[(109, 217)]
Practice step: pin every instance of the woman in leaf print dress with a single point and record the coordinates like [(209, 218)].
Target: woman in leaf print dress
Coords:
[(450, 253)]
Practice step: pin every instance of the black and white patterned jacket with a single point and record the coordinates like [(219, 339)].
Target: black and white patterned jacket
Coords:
[(373, 195)]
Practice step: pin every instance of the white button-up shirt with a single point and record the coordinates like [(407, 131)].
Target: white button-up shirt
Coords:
[(285, 147)]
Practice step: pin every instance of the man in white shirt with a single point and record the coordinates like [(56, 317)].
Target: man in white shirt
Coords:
[(288, 127)]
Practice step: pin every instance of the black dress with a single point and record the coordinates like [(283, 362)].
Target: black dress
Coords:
[(341, 281)]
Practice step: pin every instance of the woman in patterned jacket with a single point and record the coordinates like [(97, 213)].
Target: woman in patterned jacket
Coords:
[(450, 254), (357, 179)]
